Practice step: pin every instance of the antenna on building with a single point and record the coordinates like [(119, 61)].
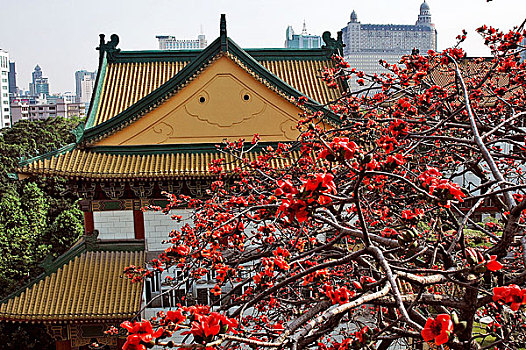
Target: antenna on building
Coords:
[(304, 30)]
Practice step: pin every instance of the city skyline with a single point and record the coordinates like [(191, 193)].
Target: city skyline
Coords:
[(61, 50)]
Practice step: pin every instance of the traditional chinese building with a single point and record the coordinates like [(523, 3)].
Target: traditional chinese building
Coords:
[(154, 120)]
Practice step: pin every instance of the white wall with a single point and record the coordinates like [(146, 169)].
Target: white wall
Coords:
[(114, 224), (157, 226)]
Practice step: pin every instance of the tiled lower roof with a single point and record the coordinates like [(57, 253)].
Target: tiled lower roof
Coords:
[(87, 164), (91, 287)]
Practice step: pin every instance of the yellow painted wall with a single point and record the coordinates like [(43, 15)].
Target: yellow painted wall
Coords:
[(223, 101)]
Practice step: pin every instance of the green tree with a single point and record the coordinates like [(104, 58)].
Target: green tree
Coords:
[(38, 217)]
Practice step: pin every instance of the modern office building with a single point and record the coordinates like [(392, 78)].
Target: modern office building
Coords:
[(366, 44), (84, 83), (87, 84), (39, 84), (13, 89), (5, 111), (169, 42), (301, 41)]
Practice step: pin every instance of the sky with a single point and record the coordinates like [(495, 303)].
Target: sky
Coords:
[(61, 35)]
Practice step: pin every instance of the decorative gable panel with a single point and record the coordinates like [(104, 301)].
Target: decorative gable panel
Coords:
[(223, 101)]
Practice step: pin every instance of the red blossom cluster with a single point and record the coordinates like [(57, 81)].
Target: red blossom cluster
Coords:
[(204, 327), (314, 190), (437, 186), (339, 148), (438, 329), (140, 334), (512, 294), (340, 295)]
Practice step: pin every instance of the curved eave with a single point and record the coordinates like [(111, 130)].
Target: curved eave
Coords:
[(67, 318), (130, 165)]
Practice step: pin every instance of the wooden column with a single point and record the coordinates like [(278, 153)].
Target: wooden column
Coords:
[(85, 206), (63, 344), (89, 224), (138, 224)]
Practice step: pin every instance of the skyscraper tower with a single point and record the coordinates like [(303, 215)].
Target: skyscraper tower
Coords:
[(13, 89), (40, 84), (5, 110)]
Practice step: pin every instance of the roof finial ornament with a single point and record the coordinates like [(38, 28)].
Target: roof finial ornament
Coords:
[(222, 33), (109, 47), (333, 46)]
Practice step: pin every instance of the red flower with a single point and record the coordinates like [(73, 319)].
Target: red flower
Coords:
[(180, 250), (294, 208), (474, 256), (176, 317), (510, 294), (409, 215), (340, 295), (343, 145), (285, 187), (139, 332), (216, 290), (204, 328), (321, 182), (438, 329), (493, 264), (281, 263)]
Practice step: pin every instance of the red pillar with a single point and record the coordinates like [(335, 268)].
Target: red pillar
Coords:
[(138, 224), (63, 344), (89, 224)]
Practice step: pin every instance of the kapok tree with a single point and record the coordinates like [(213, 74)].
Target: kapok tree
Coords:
[(369, 233)]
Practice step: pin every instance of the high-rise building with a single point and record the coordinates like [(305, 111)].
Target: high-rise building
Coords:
[(84, 83), (13, 89), (169, 42), (366, 44), (40, 84), (5, 111), (301, 41)]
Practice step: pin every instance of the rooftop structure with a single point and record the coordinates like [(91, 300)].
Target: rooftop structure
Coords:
[(170, 42), (303, 40)]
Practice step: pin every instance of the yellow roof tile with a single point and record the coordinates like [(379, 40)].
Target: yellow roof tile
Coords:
[(90, 287), (92, 165)]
